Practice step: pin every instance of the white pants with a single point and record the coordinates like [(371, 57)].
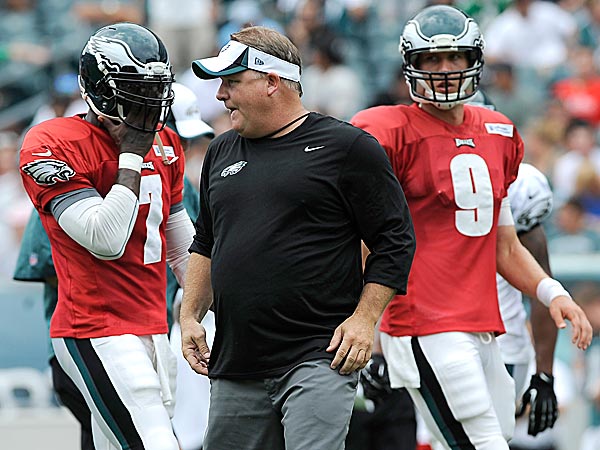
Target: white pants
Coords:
[(459, 384), (128, 383)]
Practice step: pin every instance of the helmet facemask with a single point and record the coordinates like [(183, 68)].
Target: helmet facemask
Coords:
[(421, 83), (141, 103)]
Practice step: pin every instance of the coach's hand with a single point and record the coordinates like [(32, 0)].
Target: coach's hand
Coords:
[(543, 405), (194, 347), (353, 340)]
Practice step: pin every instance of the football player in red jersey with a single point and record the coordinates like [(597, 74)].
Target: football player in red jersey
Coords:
[(108, 188), (455, 163)]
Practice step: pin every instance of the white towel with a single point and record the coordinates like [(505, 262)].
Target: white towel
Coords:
[(166, 367)]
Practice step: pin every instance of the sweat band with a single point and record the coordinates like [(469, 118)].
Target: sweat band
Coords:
[(131, 161), (548, 289)]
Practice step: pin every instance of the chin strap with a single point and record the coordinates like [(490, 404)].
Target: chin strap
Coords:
[(163, 155)]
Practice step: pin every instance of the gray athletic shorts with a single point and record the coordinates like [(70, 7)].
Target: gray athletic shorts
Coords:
[(307, 408)]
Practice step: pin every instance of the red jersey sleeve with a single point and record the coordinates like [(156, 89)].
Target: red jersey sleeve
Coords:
[(51, 165)]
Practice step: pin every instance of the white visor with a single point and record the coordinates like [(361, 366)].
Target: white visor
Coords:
[(236, 57)]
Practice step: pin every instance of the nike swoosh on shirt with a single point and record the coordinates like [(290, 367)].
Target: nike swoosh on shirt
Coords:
[(310, 149), (46, 153)]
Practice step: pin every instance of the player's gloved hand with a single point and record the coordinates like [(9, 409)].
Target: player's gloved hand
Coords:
[(374, 379), (543, 405)]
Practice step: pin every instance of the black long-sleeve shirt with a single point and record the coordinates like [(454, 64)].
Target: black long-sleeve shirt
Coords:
[(282, 221)]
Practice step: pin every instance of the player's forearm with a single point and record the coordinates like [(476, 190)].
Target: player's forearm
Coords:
[(516, 264), (197, 291), (102, 226), (179, 232)]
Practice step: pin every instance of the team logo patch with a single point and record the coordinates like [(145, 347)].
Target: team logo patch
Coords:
[(503, 129), (233, 169), (33, 259), (461, 142), (47, 172)]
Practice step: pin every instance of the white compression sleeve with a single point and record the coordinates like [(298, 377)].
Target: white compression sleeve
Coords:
[(102, 226), (179, 233), (505, 217)]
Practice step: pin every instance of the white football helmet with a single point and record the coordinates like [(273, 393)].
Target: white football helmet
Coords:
[(442, 28)]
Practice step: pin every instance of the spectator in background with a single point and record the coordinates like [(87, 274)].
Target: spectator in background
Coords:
[(569, 232), (544, 23), (308, 23), (97, 13), (240, 14), (15, 206), (511, 97), (582, 149), (187, 27), (23, 52), (588, 294), (330, 86), (397, 92), (364, 53), (64, 99), (579, 92), (589, 32), (587, 190), (540, 149)]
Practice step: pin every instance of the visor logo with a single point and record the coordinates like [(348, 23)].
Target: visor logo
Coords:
[(258, 61)]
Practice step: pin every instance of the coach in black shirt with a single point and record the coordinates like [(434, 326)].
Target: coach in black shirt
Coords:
[(285, 199)]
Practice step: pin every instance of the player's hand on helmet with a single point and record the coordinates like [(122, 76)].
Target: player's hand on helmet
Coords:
[(541, 398), (374, 379), (128, 139)]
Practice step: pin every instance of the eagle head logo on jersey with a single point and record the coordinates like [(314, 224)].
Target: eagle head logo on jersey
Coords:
[(47, 172), (233, 169)]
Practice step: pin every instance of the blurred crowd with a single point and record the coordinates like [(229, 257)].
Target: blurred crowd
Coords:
[(542, 71)]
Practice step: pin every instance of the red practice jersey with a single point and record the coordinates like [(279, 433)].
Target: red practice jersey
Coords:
[(454, 179), (99, 298)]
